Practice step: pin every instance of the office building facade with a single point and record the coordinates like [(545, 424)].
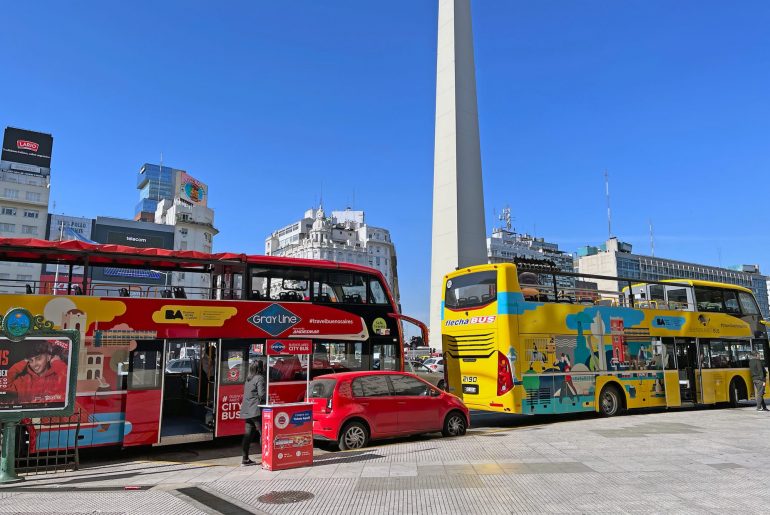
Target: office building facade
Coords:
[(615, 258)]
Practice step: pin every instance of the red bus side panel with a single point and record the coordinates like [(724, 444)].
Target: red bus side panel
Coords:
[(142, 417)]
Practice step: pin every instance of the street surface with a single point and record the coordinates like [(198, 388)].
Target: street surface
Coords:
[(693, 461)]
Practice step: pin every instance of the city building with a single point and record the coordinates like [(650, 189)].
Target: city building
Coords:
[(506, 246), (171, 197), (615, 258), (133, 233), (343, 237), (25, 171), (194, 229), (155, 183), (54, 278)]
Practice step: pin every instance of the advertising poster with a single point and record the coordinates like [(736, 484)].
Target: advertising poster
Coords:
[(27, 147), (34, 374), (287, 436), (192, 190)]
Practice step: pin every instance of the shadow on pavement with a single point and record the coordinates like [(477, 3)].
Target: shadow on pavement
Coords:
[(346, 457)]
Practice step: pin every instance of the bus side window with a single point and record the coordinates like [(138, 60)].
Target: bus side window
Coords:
[(377, 293)]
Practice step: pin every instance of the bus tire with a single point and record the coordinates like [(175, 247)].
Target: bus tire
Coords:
[(610, 402), (737, 391), (441, 385), (355, 435), (455, 424)]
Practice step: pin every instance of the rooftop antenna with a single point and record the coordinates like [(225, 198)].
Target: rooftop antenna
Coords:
[(607, 192), (506, 217), (652, 240)]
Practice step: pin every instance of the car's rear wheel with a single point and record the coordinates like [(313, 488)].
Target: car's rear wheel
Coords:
[(441, 385), (354, 435), (454, 424)]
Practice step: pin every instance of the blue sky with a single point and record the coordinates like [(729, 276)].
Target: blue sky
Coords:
[(274, 103)]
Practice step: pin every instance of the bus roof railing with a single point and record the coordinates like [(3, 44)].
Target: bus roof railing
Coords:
[(78, 253)]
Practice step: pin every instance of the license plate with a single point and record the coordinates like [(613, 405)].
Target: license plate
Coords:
[(471, 388)]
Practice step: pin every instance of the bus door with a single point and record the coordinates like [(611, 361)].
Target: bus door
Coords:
[(706, 385), (144, 393), (234, 358), (670, 374), (385, 353), (686, 363), (189, 388)]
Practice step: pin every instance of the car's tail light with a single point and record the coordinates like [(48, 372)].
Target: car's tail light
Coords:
[(504, 376)]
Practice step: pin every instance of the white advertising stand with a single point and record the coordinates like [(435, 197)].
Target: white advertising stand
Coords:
[(287, 428)]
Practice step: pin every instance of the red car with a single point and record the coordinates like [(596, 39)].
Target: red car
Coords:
[(352, 408)]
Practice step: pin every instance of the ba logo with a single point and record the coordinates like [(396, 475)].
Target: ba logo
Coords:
[(172, 314), (278, 347), (274, 319)]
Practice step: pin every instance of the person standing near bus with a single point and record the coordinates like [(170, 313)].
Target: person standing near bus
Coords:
[(254, 390), (757, 369)]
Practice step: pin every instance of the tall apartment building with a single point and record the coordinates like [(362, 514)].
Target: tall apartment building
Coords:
[(615, 258), (343, 237), (25, 170)]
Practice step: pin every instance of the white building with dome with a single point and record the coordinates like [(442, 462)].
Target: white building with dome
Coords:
[(343, 237)]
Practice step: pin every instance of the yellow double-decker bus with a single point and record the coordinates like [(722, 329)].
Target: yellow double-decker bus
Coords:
[(531, 339)]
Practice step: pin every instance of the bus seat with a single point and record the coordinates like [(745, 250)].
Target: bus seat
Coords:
[(28, 288), (123, 292), (165, 294), (473, 299), (77, 290), (179, 293), (356, 298), (255, 295), (485, 297)]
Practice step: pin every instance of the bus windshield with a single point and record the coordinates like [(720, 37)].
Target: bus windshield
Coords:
[(471, 290)]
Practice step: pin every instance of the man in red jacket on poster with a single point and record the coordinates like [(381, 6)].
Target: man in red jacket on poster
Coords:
[(39, 378)]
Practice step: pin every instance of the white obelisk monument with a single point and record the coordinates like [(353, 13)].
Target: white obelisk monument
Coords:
[(459, 230)]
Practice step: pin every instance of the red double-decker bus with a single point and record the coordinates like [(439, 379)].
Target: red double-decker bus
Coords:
[(162, 364)]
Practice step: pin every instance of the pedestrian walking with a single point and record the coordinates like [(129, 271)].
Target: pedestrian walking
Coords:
[(757, 369), (253, 395)]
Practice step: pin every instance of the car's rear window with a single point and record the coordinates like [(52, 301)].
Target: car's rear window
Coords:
[(322, 388)]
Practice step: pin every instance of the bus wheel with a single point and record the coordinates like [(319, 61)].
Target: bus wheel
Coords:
[(609, 401), (441, 385), (454, 424), (735, 392), (353, 436)]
